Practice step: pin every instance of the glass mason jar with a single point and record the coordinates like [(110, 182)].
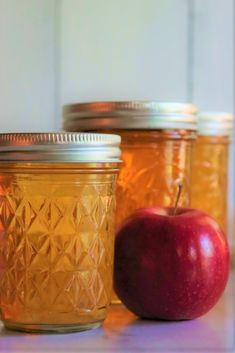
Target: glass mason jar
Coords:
[(210, 165), (156, 148), (57, 202)]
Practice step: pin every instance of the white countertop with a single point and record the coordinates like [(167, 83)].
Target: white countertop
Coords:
[(123, 332)]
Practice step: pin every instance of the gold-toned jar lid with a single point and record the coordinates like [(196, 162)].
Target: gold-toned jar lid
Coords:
[(129, 115), (215, 123), (60, 147)]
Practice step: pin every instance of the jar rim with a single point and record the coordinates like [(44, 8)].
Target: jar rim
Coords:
[(60, 147), (215, 123), (129, 115)]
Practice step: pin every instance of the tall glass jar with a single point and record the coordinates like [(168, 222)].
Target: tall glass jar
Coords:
[(210, 165), (57, 201), (156, 149)]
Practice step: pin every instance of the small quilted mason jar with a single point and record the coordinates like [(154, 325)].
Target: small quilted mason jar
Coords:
[(156, 148), (57, 202), (210, 165)]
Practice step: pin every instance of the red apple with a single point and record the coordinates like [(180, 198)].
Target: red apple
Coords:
[(170, 266)]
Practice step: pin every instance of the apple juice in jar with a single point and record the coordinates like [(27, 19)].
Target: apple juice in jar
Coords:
[(57, 201), (210, 165)]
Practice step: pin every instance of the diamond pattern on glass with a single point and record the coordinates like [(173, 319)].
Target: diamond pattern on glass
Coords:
[(56, 247), (150, 175), (210, 177)]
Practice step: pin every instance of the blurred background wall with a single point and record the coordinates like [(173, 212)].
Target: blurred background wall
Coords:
[(27, 65), (58, 51)]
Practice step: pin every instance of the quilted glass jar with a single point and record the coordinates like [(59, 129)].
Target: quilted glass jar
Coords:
[(210, 165), (57, 202), (156, 149)]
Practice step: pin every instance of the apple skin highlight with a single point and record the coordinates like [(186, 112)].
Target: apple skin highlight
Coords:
[(171, 267)]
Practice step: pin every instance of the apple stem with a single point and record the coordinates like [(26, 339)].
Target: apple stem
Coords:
[(180, 187)]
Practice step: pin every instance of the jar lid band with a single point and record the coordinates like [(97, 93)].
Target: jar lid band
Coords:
[(215, 123), (60, 147), (129, 115)]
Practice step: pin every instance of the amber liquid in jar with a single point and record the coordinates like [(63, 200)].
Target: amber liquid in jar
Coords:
[(154, 163), (56, 246), (210, 177)]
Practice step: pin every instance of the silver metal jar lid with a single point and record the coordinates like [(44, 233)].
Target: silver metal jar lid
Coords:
[(215, 123), (129, 115), (60, 147)]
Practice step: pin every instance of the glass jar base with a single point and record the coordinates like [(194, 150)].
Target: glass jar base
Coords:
[(116, 301), (51, 328)]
